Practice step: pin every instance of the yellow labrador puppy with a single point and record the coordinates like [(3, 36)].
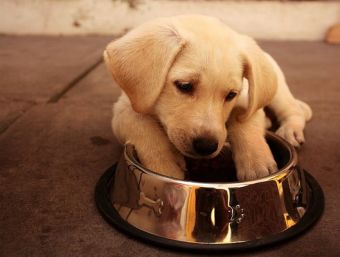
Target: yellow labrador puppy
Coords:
[(190, 83)]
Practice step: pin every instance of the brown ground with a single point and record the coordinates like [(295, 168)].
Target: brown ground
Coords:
[(54, 145)]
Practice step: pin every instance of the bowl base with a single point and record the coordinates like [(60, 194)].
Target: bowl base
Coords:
[(106, 208)]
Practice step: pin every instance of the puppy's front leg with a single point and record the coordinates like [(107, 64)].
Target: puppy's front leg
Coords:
[(251, 153), (153, 147)]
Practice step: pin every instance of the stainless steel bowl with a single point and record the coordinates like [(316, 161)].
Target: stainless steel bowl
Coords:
[(220, 215)]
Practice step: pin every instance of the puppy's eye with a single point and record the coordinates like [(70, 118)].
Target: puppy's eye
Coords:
[(230, 96), (184, 87)]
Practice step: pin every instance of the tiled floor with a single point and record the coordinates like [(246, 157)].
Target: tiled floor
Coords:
[(56, 141)]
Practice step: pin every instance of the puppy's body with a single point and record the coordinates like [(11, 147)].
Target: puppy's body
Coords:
[(190, 83)]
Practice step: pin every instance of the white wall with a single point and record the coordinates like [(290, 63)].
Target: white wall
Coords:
[(263, 19)]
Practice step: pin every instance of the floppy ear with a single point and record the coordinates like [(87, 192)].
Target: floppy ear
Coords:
[(140, 61), (261, 77)]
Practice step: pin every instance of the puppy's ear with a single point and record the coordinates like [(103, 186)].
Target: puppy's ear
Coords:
[(261, 77), (140, 61)]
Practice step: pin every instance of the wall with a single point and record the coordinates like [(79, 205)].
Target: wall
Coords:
[(261, 19)]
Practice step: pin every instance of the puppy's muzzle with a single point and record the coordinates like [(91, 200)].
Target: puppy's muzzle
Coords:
[(204, 145)]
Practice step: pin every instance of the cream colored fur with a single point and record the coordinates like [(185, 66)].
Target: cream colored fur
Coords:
[(162, 122)]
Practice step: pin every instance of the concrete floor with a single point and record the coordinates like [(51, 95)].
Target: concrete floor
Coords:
[(55, 142)]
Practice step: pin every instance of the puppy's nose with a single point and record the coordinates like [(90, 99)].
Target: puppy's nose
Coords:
[(204, 145)]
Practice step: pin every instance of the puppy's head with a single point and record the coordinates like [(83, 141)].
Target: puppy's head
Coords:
[(188, 72)]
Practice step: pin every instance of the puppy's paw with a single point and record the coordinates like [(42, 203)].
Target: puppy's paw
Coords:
[(170, 168), (255, 162), (292, 131), (166, 162)]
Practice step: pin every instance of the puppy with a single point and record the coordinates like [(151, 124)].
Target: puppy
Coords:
[(189, 84)]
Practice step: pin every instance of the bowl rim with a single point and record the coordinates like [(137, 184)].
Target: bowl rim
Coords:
[(130, 155)]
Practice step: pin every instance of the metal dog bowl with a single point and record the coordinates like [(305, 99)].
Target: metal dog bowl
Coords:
[(215, 215)]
